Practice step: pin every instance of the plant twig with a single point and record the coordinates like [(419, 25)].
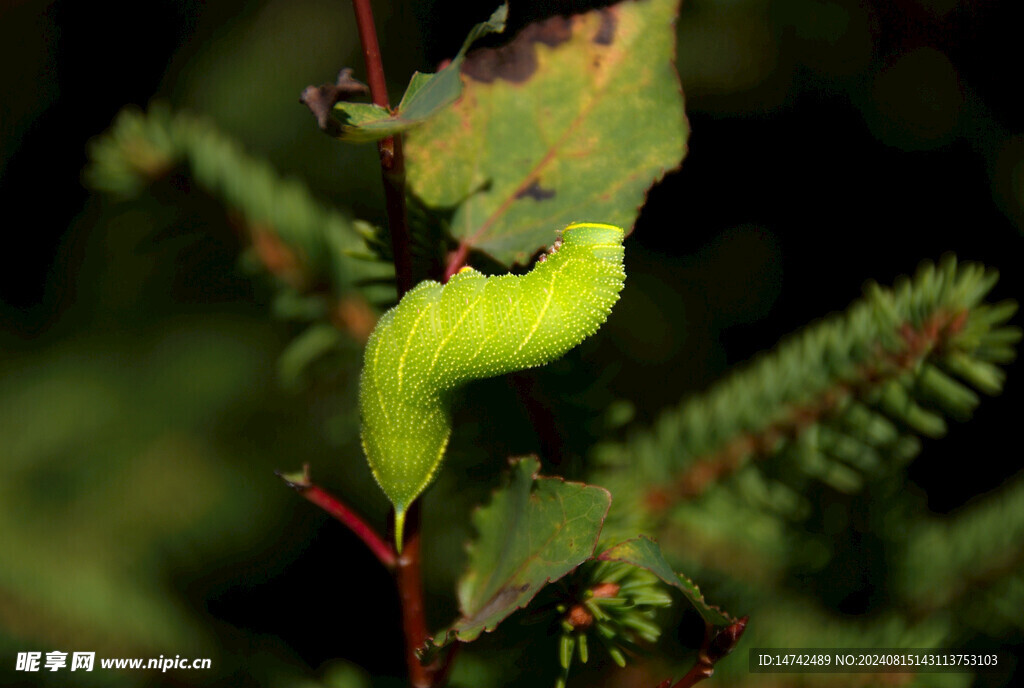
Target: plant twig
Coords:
[(371, 52), (456, 259), (703, 667), (410, 590), (406, 567), (339, 510), (445, 670), (541, 418), (714, 647), (392, 159), (392, 163)]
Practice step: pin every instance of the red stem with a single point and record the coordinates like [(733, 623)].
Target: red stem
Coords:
[(456, 259), (445, 670), (371, 53), (392, 163), (717, 644), (339, 510), (406, 567), (410, 590), (697, 673), (704, 667), (392, 159)]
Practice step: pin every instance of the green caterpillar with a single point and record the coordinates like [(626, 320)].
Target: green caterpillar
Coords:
[(473, 327)]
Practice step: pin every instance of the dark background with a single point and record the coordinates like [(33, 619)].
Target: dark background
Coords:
[(832, 142)]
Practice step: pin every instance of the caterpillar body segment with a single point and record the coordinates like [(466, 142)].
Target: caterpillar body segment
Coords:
[(442, 336)]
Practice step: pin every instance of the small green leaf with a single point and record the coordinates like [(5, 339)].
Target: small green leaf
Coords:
[(576, 117), (425, 95), (363, 122), (534, 531), (646, 554)]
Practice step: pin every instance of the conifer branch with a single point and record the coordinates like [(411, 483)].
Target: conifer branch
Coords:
[(842, 399), (972, 555), (307, 246)]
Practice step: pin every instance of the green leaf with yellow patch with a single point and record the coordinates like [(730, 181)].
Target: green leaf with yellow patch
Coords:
[(573, 120)]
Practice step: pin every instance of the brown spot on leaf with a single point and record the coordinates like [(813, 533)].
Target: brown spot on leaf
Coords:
[(606, 32), (321, 99), (536, 192), (517, 61)]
